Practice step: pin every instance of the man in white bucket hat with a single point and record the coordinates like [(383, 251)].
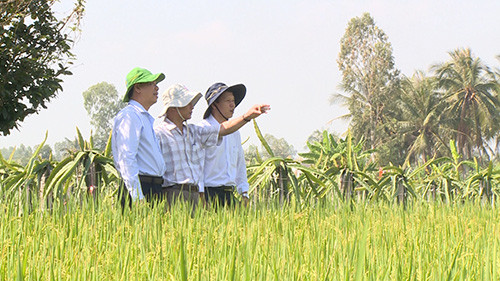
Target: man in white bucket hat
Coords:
[(183, 145)]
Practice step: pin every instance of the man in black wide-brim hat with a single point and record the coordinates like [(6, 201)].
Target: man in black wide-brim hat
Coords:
[(224, 167)]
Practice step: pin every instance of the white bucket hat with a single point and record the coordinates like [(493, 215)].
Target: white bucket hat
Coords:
[(178, 96)]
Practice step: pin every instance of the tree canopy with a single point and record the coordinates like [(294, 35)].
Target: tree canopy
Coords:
[(471, 93), (369, 79), (279, 146), (102, 103), (35, 53), (413, 118)]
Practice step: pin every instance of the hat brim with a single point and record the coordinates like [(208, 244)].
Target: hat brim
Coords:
[(239, 91), (195, 98), (155, 77)]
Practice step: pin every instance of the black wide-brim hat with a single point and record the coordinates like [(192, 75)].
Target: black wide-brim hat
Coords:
[(238, 90)]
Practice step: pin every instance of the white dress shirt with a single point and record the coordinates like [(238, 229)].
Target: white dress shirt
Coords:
[(183, 152), (225, 163), (136, 150)]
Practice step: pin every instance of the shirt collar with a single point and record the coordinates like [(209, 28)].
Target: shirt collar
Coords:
[(211, 119), (169, 124), (138, 106)]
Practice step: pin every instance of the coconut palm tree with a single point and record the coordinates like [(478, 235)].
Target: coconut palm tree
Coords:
[(421, 120), (496, 142), (470, 91)]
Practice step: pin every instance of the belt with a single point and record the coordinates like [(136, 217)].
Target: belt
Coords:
[(150, 179), (225, 188), (185, 186)]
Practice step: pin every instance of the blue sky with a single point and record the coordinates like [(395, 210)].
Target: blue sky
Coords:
[(284, 52)]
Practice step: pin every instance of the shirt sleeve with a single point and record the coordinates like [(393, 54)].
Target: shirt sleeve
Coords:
[(126, 134), (208, 134), (201, 183), (241, 171)]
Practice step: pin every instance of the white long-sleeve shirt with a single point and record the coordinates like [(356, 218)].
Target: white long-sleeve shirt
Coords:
[(225, 164), (136, 150)]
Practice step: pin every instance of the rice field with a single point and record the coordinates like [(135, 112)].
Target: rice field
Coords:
[(329, 241)]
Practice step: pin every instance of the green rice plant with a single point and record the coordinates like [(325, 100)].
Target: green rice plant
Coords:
[(358, 241)]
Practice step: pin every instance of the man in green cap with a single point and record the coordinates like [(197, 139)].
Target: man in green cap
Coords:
[(136, 150)]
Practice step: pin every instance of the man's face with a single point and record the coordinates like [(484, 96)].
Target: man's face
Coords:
[(225, 103), (187, 110), (148, 92)]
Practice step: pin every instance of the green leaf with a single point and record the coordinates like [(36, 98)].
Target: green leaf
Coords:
[(262, 139), (81, 142), (29, 167), (107, 150)]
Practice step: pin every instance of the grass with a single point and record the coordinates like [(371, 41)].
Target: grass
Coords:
[(366, 242)]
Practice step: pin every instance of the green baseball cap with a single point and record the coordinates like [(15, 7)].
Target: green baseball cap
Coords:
[(140, 75)]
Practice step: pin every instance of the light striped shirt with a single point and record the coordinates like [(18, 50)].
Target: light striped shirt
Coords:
[(184, 152), (225, 163), (135, 148)]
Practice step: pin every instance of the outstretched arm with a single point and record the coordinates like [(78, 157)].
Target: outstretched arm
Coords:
[(235, 124)]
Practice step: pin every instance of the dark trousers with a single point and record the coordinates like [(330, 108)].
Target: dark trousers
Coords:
[(220, 195), (152, 192), (186, 192)]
